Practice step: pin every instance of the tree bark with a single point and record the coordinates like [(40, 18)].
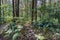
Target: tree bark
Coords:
[(13, 11), (34, 11), (32, 15), (13, 8), (17, 7), (15, 4)]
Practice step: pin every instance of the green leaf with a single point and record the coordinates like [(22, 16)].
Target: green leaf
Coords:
[(15, 36)]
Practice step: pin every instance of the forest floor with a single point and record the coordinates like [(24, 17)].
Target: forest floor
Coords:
[(48, 35), (3, 26)]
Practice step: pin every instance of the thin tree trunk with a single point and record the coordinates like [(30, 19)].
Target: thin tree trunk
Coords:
[(32, 15), (50, 2), (13, 11), (15, 4), (3, 11), (0, 12), (35, 10), (17, 7), (0, 8), (43, 4), (26, 9)]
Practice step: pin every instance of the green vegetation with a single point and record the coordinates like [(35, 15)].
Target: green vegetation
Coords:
[(29, 20)]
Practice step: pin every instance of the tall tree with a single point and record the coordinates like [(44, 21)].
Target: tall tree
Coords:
[(0, 12), (50, 2), (43, 6), (2, 1), (17, 7), (0, 8), (15, 4), (34, 10), (13, 10), (26, 6)]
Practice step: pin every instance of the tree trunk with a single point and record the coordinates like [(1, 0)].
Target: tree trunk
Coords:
[(32, 15), (0, 8), (15, 4), (43, 5), (34, 11), (3, 11), (13, 11), (0, 12), (17, 7), (50, 2), (27, 9)]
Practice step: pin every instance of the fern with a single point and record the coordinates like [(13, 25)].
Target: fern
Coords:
[(15, 36)]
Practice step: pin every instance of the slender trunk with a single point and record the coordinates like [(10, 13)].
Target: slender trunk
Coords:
[(15, 4), (50, 2), (32, 15), (35, 10), (43, 4), (13, 11), (17, 7), (3, 11), (13, 8), (26, 9), (0, 12), (0, 8)]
